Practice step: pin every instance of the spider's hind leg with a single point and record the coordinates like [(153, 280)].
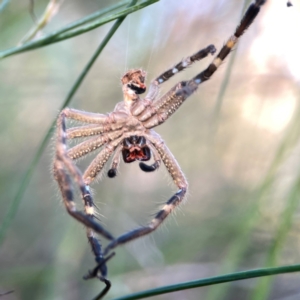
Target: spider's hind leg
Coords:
[(101, 267), (100, 271), (180, 181), (63, 168)]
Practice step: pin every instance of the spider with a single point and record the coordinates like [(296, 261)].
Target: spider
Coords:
[(128, 132)]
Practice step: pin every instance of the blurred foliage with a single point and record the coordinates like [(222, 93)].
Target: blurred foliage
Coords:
[(242, 166)]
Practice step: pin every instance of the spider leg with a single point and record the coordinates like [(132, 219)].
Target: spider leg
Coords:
[(100, 271), (84, 131), (112, 172), (85, 117), (180, 181), (112, 121), (246, 21), (163, 108), (185, 63), (93, 144), (154, 85), (62, 165), (99, 161), (65, 184), (90, 130)]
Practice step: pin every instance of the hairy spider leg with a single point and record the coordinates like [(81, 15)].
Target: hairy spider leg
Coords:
[(154, 85), (185, 63), (100, 271), (106, 128), (161, 109), (112, 172), (246, 21), (93, 144), (99, 123), (62, 163), (179, 180), (100, 160), (86, 117), (90, 130), (65, 183)]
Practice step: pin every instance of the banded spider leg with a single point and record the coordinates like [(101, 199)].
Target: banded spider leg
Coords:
[(157, 146), (64, 167)]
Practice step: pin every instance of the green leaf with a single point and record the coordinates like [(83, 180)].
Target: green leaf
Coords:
[(84, 25), (212, 280)]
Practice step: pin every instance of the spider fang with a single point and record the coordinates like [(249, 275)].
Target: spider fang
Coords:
[(135, 148)]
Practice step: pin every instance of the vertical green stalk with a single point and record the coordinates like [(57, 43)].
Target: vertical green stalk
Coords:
[(12, 210)]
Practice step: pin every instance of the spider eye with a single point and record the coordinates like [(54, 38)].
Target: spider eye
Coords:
[(137, 88)]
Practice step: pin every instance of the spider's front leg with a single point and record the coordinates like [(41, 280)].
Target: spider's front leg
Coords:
[(161, 109), (178, 178), (140, 106)]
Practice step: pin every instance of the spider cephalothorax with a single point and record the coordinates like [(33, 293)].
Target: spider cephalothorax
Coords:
[(128, 131)]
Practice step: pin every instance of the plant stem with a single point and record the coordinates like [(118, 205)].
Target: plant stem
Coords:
[(212, 280), (69, 31)]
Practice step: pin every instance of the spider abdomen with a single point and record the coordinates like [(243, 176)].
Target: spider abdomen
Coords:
[(135, 148)]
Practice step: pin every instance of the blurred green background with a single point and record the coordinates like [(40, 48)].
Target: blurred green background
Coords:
[(236, 139)]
